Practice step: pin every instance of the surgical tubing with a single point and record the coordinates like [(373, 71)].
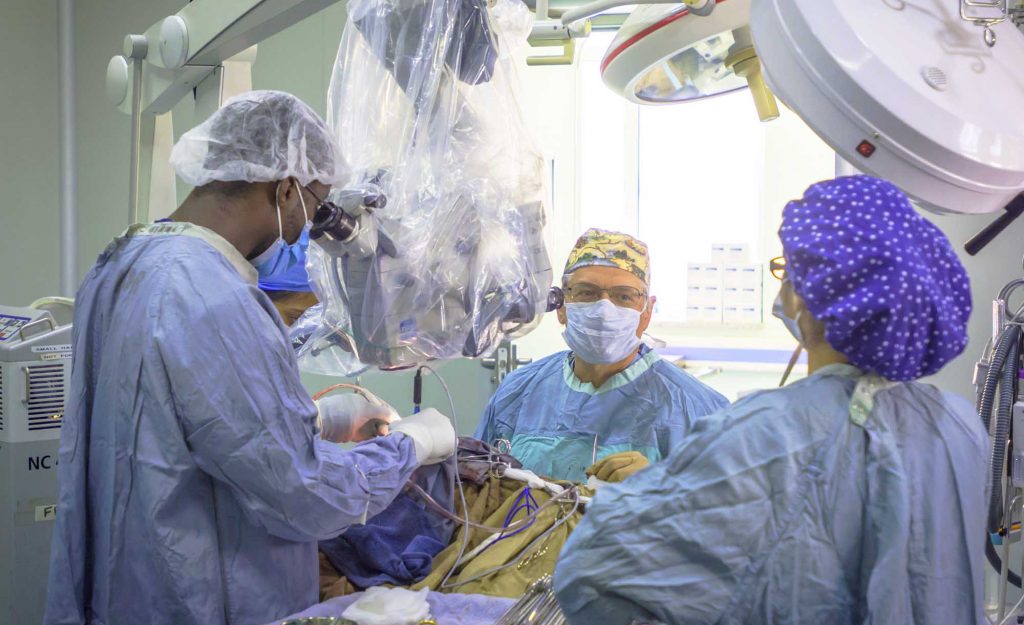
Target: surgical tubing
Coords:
[(1003, 365), (1001, 430), (1001, 374), (988, 393), (524, 501), (520, 524), (526, 550), (1009, 288)]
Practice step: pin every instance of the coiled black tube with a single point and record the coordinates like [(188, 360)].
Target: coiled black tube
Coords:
[(999, 357), (1002, 375), (1001, 430)]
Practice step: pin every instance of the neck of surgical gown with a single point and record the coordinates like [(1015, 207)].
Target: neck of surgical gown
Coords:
[(559, 425), (838, 499), (193, 486)]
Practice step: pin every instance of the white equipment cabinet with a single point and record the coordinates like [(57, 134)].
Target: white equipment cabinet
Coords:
[(35, 368)]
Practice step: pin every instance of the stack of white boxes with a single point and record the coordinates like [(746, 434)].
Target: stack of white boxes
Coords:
[(704, 293), (725, 291)]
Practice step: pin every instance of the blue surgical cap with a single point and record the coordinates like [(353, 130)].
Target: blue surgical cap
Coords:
[(892, 293)]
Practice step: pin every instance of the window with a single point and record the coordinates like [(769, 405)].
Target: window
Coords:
[(700, 169), (607, 146), (682, 177)]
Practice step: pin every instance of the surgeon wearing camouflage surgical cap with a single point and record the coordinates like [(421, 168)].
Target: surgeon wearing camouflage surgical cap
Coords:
[(610, 405), (856, 495)]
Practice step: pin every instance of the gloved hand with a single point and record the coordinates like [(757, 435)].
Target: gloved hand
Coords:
[(431, 432), (618, 467), (351, 418)]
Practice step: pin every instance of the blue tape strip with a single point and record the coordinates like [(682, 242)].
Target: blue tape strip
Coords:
[(728, 354)]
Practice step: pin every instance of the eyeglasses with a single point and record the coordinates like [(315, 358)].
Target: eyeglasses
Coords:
[(319, 201), (777, 266), (624, 296)]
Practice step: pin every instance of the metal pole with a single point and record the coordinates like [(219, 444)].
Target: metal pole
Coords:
[(843, 168), (133, 178), (68, 160), (135, 48)]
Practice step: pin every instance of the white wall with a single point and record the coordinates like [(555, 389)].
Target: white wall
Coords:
[(104, 133), (29, 151), (999, 263), (300, 59), (297, 60)]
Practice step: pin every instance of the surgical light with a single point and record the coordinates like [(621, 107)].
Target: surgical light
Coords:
[(665, 54), (906, 90), (925, 93)]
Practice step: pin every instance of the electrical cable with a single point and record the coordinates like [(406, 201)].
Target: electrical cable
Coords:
[(352, 387), (990, 344), (997, 379), (417, 391), (467, 522), (465, 507), (436, 507), (792, 363), (1009, 288), (427, 498), (1001, 376), (542, 536), (525, 501), (458, 478), (999, 354), (1014, 609)]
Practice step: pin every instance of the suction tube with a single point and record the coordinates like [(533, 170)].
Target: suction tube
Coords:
[(1001, 376)]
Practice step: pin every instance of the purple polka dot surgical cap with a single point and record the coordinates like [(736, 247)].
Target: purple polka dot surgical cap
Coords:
[(892, 293)]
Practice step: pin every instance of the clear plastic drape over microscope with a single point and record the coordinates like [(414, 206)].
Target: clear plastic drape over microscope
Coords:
[(425, 103)]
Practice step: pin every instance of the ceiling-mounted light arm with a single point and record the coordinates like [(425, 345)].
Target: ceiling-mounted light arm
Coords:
[(548, 32), (1002, 7), (188, 46), (702, 8), (743, 61), (1012, 212), (1016, 13), (696, 7)]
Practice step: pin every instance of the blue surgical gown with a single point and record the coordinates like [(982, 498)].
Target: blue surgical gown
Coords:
[(193, 487), (839, 499), (554, 421)]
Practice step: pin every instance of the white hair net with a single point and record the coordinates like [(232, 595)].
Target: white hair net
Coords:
[(260, 136)]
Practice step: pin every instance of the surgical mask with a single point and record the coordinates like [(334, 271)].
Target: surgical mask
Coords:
[(281, 256), (600, 332), (791, 324)]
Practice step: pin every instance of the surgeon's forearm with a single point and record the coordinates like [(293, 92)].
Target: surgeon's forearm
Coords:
[(388, 462), (365, 479)]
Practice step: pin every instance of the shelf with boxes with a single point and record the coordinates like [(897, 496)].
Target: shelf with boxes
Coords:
[(726, 291)]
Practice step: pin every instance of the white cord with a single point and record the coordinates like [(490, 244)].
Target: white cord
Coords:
[(1012, 611), (458, 479), (444, 385), (467, 528), (526, 550)]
